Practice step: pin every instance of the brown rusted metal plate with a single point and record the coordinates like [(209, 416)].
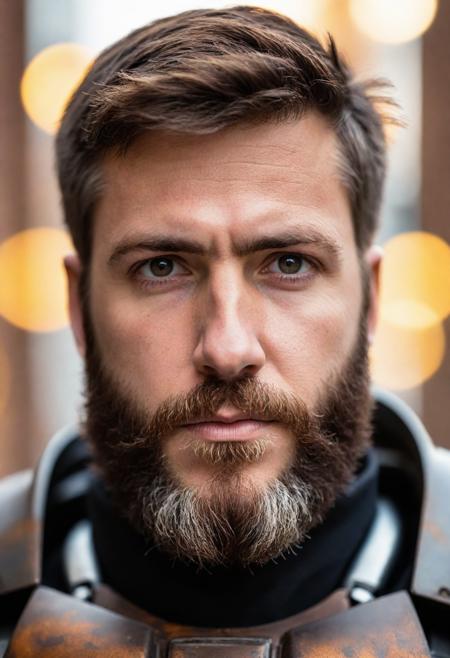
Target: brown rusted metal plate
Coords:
[(54, 625), (385, 628), (432, 568), (220, 647)]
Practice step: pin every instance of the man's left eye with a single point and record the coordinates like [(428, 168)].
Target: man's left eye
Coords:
[(290, 264), (160, 267)]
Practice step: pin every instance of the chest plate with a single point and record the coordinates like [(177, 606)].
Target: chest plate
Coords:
[(56, 625)]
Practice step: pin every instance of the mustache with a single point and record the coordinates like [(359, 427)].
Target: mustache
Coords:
[(248, 396)]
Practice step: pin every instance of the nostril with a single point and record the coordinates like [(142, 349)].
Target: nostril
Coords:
[(228, 350)]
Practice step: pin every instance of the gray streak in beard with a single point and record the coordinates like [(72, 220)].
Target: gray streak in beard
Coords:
[(223, 530)]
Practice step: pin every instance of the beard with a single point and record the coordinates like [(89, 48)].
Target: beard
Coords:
[(235, 522)]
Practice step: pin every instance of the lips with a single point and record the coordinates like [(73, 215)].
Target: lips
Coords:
[(236, 427)]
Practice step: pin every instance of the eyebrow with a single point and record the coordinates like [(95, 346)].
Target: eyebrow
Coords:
[(177, 245), (289, 239), (156, 243)]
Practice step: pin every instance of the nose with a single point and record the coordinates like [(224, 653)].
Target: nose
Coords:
[(228, 346)]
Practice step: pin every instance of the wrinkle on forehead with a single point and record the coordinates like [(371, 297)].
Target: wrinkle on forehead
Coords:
[(261, 146), (272, 171)]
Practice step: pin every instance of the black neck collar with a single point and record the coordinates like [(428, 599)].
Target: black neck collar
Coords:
[(180, 592)]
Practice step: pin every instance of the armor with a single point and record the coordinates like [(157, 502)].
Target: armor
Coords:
[(362, 618)]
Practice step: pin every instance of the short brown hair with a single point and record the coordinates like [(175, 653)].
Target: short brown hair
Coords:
[(202, 70)]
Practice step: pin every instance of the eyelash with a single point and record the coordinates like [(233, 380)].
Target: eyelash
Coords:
[(285, 278)]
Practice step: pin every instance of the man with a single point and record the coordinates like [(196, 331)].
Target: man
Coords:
[(221, 176)]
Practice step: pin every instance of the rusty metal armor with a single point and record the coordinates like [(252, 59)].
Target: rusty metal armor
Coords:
[(354, 621)]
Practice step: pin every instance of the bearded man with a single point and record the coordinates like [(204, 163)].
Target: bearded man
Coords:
[(221, 175)]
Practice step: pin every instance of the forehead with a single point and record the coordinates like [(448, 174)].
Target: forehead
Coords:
[(228, 184)]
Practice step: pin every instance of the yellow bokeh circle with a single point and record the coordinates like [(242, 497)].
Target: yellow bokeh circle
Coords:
[(33, 292), (393, 21), (415, 281), (49, 81), (405, 358)]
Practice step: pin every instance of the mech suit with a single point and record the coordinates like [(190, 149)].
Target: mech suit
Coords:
[(392, 601)]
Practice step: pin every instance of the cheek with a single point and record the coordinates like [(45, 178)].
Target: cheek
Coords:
[(145, 349), (310, 341)]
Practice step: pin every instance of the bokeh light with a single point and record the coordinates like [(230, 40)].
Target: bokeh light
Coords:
[(415, 290), (33, 292), (307, 13), (50, 79), (393, 21), (4, 380), (404, 358)]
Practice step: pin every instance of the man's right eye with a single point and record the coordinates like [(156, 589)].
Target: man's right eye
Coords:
[(159, 267), (158, 270)]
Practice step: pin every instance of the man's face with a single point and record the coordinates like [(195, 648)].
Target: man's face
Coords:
[(225, 257)]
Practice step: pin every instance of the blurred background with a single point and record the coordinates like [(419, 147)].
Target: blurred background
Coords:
[(45, 49)]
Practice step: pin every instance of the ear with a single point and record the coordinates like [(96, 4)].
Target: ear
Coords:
[(373, 259), (73, 270)]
